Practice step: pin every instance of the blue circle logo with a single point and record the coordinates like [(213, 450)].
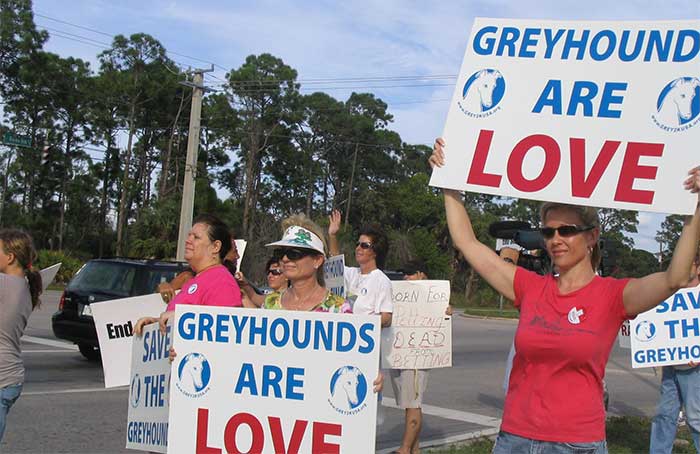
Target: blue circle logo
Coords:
[(645, 331), (483, 92), (348, 389), (193, 375), (678, 104), (135, 391)]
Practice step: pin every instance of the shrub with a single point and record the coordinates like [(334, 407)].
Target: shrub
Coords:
[(70, 265)]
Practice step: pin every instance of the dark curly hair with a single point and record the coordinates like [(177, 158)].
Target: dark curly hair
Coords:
[(380, 242)]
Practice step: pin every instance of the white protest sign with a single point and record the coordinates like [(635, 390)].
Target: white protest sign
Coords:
[(48, 275), (265, 381), (592, 113), (334, 274), (240, 247), (147, 420), (420, 335), (623, 336), (668, 334), (114, 323)]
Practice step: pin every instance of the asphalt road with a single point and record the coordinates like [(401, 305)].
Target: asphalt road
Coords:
[(64, 407)]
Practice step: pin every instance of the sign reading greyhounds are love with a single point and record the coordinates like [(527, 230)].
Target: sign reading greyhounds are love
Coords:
[(591, 113), (270, 381)]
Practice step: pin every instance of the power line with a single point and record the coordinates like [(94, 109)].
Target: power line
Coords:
[(271, 83), (112, 36), (92, 42), (334, 80), (86, 38), (326, 80), (59, 35), (349, 87)]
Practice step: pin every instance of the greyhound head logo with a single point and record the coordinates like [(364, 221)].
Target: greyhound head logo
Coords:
[(194, 374), (348, 388), (645, 331), (483, 91), (679, 102)]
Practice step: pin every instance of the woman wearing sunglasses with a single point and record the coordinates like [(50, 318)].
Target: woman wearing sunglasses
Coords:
[(302, 252), (367, 286), (276, 280), (568, 322)]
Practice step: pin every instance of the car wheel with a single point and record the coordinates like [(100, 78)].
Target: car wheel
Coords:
[(89, 352)]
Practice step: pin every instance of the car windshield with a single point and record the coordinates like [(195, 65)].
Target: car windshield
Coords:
[(105, 277)]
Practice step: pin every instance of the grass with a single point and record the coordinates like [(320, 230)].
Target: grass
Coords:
[(625, 434), (489, 312)]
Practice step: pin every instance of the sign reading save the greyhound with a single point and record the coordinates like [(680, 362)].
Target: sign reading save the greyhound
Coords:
[(668, 334), (591, 113), (149, 388), (246, 380)]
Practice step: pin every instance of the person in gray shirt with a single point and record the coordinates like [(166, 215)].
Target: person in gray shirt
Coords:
[(20, 287)]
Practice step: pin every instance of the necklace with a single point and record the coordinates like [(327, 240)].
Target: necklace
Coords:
[(295, 302)]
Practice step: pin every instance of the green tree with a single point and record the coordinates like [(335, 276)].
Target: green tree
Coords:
[(139, 63), (668, 236), (19, 39), (616, 224), (259, 90)]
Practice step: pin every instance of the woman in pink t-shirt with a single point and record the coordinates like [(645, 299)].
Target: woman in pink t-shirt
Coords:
[(568, 322), (213, 284)]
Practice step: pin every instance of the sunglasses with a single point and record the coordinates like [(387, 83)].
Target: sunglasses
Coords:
[(564, 230), (293, 253), (276, 272), (364, 244)]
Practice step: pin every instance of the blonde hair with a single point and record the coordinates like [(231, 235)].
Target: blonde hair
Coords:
[(304, 221), (587, 215)]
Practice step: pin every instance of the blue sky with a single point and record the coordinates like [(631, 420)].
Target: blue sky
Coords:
[(420, 41)]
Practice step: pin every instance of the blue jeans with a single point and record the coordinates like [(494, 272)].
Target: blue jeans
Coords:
[(507, 443), (8, 396), (678, 387)]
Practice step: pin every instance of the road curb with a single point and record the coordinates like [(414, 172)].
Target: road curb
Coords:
[(487, 317)]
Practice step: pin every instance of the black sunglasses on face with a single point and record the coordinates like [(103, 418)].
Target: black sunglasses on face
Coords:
[(364, 244), (564, 230), (276, 272), (294, 253)]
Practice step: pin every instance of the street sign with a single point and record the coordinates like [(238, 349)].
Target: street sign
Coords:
[(13, 139)]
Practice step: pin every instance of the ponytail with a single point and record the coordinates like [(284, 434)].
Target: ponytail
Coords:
[(35, 286), (230, 266)]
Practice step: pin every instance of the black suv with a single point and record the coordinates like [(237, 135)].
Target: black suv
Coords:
[(103, 280)]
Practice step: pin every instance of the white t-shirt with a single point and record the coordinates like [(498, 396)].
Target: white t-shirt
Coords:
[(368, 293)]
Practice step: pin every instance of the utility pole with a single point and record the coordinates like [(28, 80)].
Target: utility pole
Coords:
[(187, 205)]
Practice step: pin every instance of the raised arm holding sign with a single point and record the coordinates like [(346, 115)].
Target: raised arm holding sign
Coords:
[(574, 316), (569, 321)]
